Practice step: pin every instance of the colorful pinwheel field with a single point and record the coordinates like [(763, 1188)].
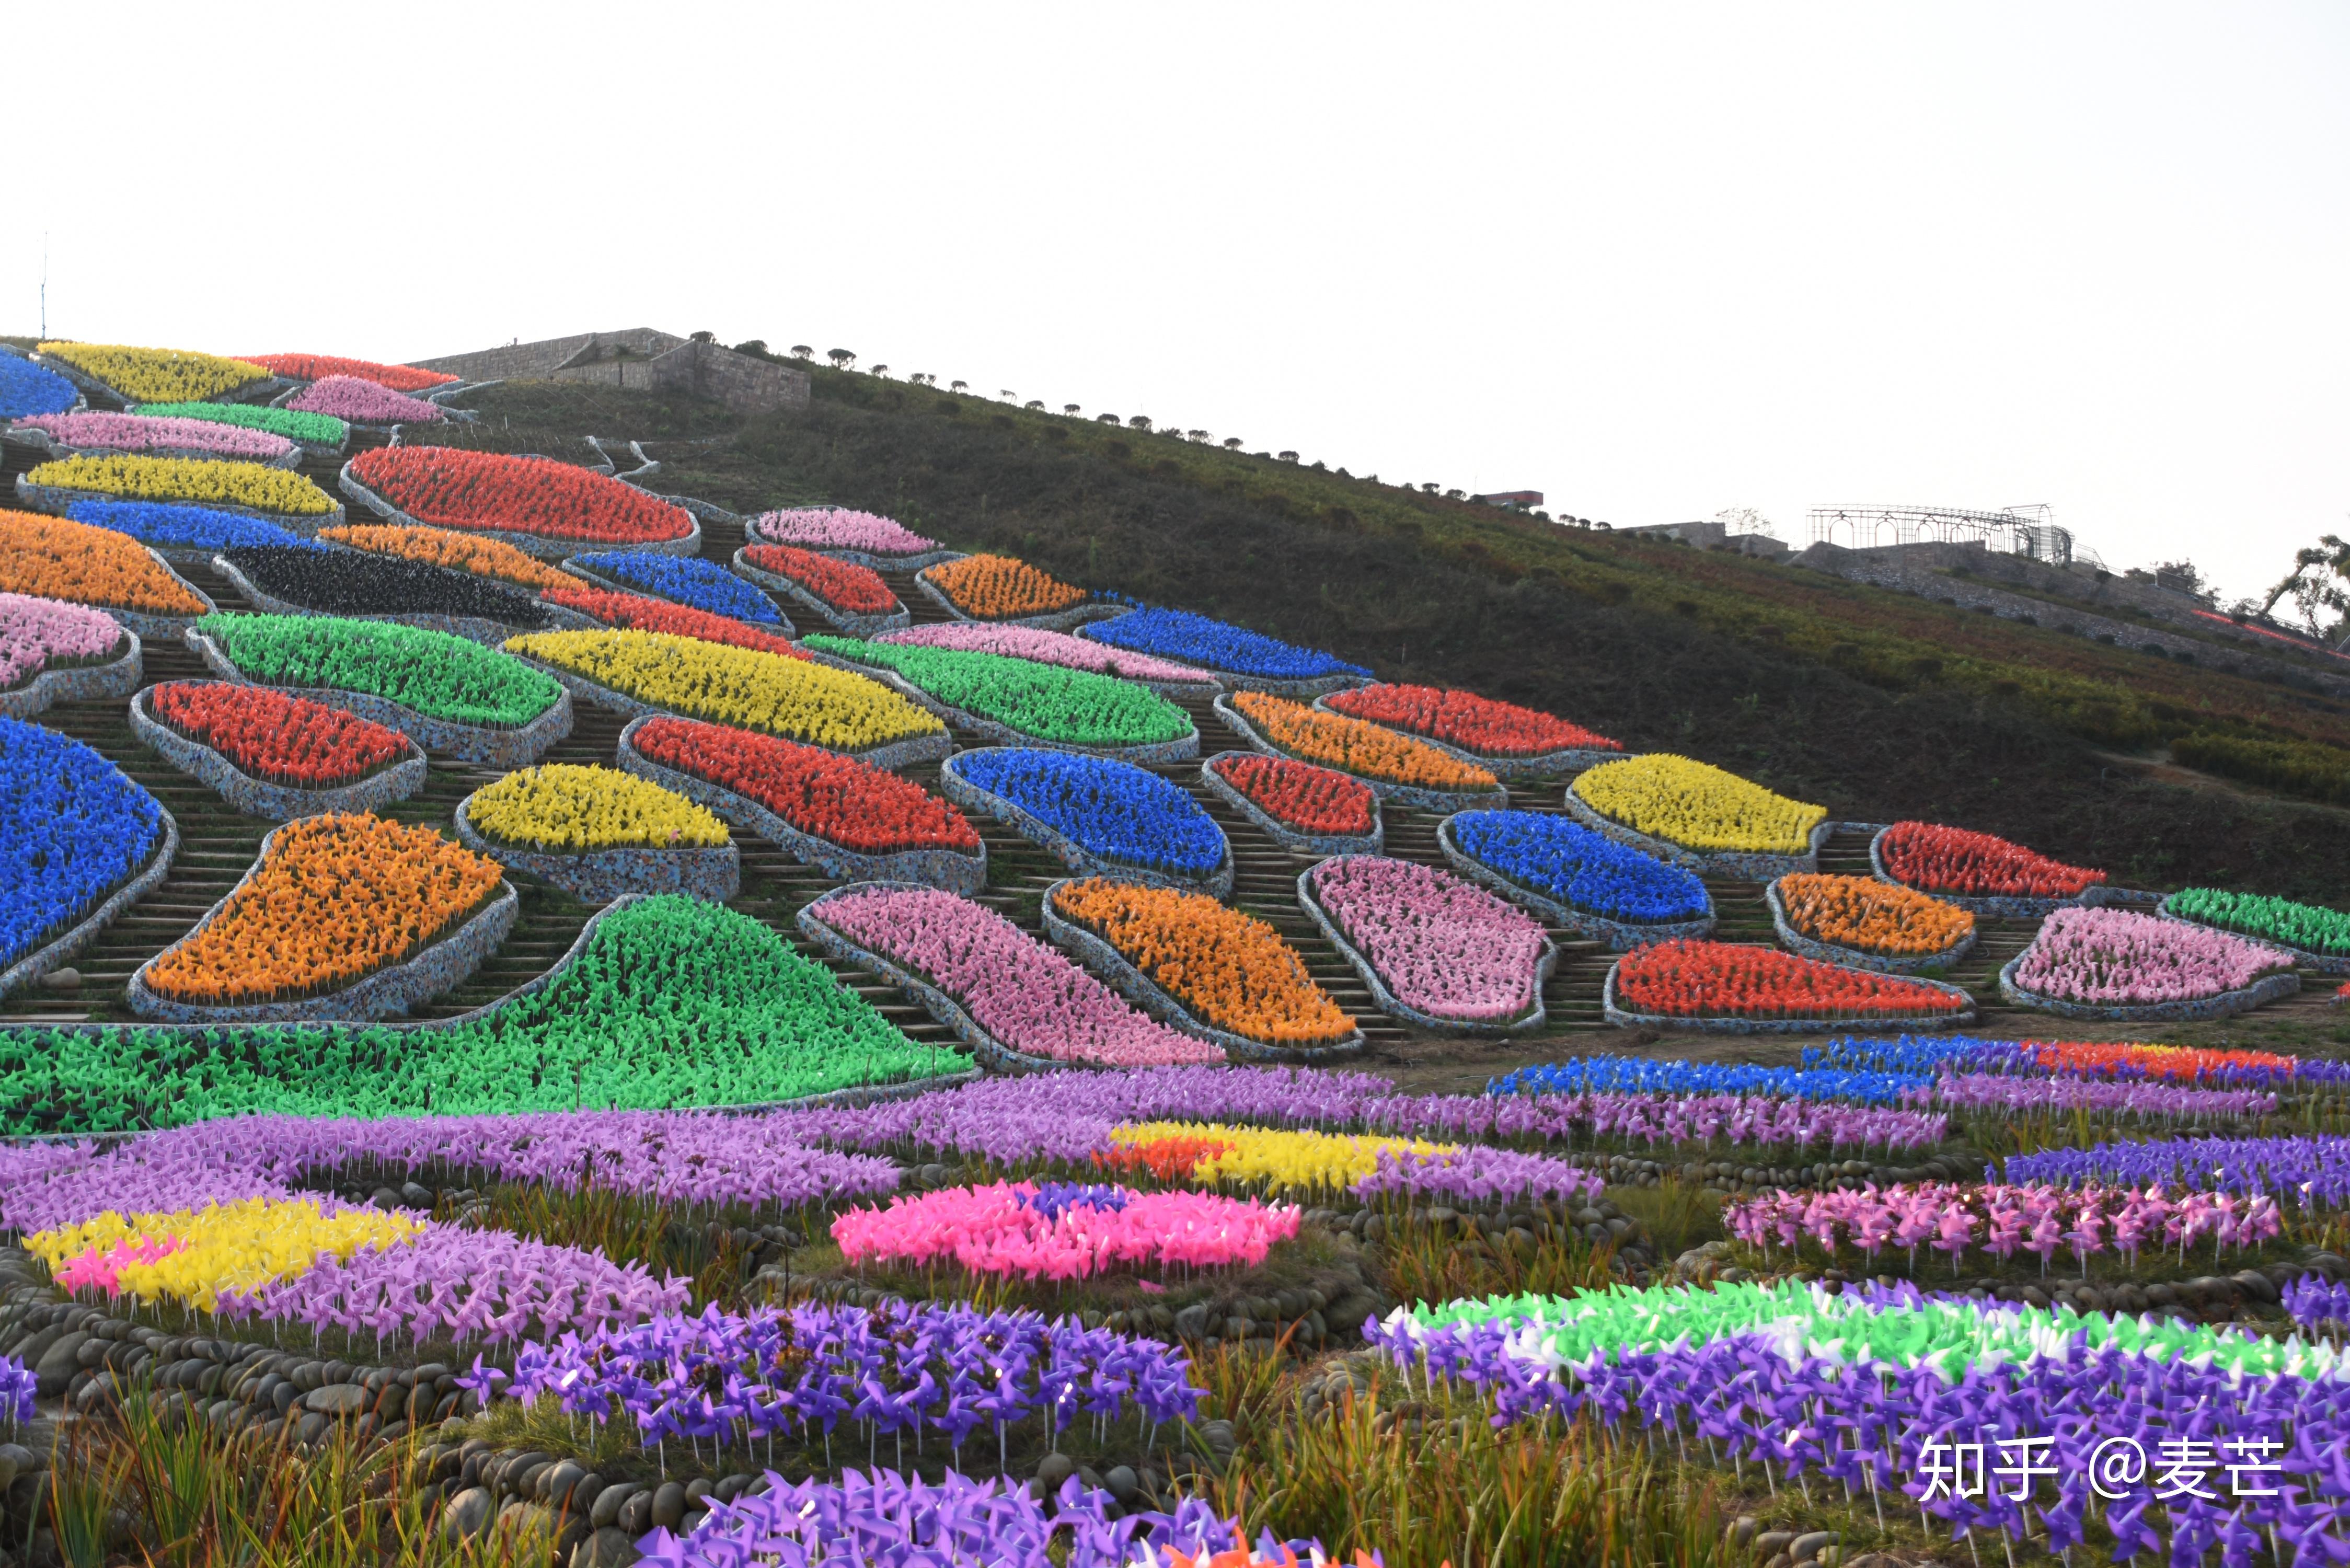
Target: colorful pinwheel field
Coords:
[(545, 1021)]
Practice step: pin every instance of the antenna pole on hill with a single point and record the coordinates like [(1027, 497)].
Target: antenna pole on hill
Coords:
[(45, 284)]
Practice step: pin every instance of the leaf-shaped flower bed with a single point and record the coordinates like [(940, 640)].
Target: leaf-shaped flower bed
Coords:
[(1020, 702), (184, 535), (1397, 767), (1978, 871), (1507, 741), (639, 673), (1162, 676), (1099, 816), (346, 915), (842, 594), (857, 822), (319, 367), (685, 580), (358, 401), (1006, 591), (660, 1002), (1695, 815), (312, 433), (1579, 878), (1867, 923), (1211, 971), (1308, 809), (301, 580), (598, 833), (2317, 938), (52, 558), (51, 651), (278, 494), (93, 433), (549, 509), (27, 388), (1240, 657), (2138, 967), (1730, 987), (1015, 1001), (864, 538), (487, 558), (121, 375), (441, 691), (640, 612), (79, 842), (1435, 950), (273, 755)]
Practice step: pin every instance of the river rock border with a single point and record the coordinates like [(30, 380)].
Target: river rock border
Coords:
[(1180, 750), (1122, 976), (540, 546), (1541, 768), (1051, 621), (42, 442), (1620, 935), (259, 797), (117, 677), (54, 953), (1616, 1014), (782, 626), (1378, 986), (949, 869), (1794, 942), (490, 748), (1746, 865), (889, 756), (473, 628), (989, 1052), (1290, 838), (850, 623), (1217, 883), (600, 875), (56, 499), (2226, 1004), (2316, 962), (1998, 906), (1443, 801)]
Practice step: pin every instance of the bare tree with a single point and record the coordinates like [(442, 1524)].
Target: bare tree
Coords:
[(841, 358), (801, 351), (1071, 410)]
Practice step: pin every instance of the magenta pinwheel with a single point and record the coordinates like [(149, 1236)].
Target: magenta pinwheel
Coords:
[(1061, 1231)]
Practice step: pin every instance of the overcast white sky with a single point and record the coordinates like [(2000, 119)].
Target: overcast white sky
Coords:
[(1653, 260)]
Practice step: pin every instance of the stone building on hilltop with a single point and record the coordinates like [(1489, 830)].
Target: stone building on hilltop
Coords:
[(640, 357)]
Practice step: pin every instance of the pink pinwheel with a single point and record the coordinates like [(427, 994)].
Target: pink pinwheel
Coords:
[(2047, 1234), (1951, 1236), (2088, 1230)]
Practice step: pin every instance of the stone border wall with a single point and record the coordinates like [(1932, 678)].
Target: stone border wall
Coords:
[(782, 626), (1053, 620), (1438, 801), (1998, 906), (600, 875), (1620, 935), (538, 546), (1542, 768), (1751, 866), (54, 953), (1217, 884), (2319, 963), (1908, 1023), (117, 677), (1288, 837), (1794, 942), (2226, 1004), (848, 623), (1378, 986), (259, 797)]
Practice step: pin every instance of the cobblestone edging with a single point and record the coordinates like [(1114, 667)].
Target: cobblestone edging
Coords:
[(52, 449), (1290, 838), (600, 875), (1619, 935), (989, 1052), (540, 545), (1076, 857), (781, 627), (56, 498), (1750, 866), (1921, 1022), (848, 623), (52, 954), (994, 730), (117, 677), (2226, 1004), (1129, 980), (444, 964), (951, 869), (478, 743), (1386, 1000), (2319, 963), (889, 757), (259, 797), (1794, 942), (473, 628), (1540, 768), (1052, 621), (1440, 800)]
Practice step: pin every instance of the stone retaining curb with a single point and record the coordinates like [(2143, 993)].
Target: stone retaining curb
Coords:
[(1794, 942), (259, 797), (757, 536), (1123, 977), (1997, 905), (491, 748), (1908, 1023), (781, 627), (1084, 862), (53, 954), (1619, 935), (1540, 768), (994, 730), (1386, 999), (56, 498), (1440, 800), (1053, 620), (849, 623), (1288, 837), (600, 875), (2226, 1004), (2319, 963), (117, 677), (1750, 866), (949, 869), (536, 545), (473, 628)]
